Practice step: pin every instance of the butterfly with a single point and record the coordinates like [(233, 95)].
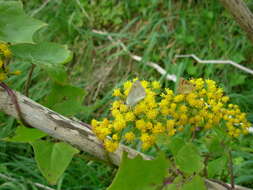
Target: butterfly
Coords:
[(136, 93), (184, 86)]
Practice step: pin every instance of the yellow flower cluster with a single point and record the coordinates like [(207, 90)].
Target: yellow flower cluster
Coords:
[(5, 55), (165, 112)]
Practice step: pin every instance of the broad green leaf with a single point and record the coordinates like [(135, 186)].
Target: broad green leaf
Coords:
[(175, 144), (215, 146), (171, 187), (16, 26), (57, 73), (196, 182), (188, 159), (139, 174), (53, 158), (68, 108), (65, 99), (216, 166), (42, 54), (25, 135)]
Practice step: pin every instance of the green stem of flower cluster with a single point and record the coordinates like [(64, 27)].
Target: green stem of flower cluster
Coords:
[(230, 169), (28, 81)]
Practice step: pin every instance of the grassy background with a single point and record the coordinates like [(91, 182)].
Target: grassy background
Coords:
[(155, 30)]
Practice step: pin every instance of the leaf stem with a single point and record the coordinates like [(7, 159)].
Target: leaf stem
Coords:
[(230, 169), (29, 79)]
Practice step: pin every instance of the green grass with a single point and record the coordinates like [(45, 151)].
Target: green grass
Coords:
[(154, 30)]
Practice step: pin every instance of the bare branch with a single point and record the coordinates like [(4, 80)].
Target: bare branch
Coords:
[(217, 62)]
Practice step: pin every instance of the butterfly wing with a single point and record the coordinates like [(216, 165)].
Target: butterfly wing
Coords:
[(136, 93), (185, 87)]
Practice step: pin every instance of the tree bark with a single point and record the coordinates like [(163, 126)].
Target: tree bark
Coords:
[(242, 15), (74, 132)]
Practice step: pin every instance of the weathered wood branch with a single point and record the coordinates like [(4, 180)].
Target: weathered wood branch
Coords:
[(74, 132), (242, 15)]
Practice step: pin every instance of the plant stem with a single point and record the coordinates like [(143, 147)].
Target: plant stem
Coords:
[(29, 79), (230, 169)]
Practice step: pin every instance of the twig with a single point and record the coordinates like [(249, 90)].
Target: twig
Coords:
[(40, 8), (16, 180), (138, 58), (216, 62)]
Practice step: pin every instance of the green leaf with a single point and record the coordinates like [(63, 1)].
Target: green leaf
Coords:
[(215, 146), (188, 159), (171, 187), (65, 99), (68, 108), (197, 182), (16, 26), (139, 174), (42, 54), (25, 135), (216, 166), (57, 73), (53, 158), (175, 144)]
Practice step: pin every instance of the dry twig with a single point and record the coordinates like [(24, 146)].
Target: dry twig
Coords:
[(245, 69)]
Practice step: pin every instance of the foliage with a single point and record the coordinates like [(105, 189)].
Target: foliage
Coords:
[(150, 173)]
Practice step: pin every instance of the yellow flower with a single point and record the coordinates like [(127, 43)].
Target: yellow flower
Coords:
[(147, 140), (127, 87), (151, 114), (183, 108), (1, 63), (140, 124), (129, 136), (179, 98), (110, 146), (144, 83), (3, 76), (115, 137), (158, 128), (156, 85), (5, 50), (117, 92), (118, 125), (168, 113), (129, 116)]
